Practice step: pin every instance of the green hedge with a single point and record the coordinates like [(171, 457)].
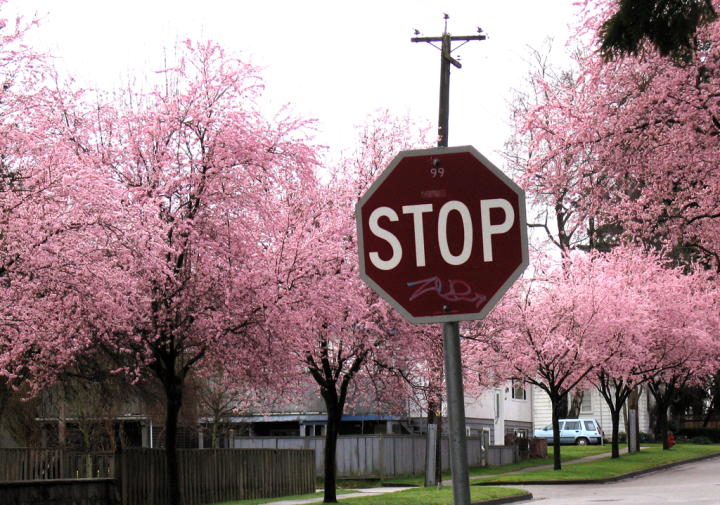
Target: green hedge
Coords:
[(713, 434), (645, 438)]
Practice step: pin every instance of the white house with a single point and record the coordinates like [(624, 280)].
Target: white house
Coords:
[(593, 407)]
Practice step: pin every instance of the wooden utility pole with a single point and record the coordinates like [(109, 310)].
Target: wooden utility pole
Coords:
[(446, 60), (451, 333)]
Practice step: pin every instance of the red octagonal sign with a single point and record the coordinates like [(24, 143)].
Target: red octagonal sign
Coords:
[(442, 234)]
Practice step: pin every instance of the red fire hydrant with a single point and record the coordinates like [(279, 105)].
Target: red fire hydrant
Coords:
[(671, 439)]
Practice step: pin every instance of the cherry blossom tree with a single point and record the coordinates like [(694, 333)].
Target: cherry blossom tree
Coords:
[(684, 348), (333, 330), (201, 191), (644, 130), (45, 215), (641, 134), (551, 331), (660, 309), (631, 304)]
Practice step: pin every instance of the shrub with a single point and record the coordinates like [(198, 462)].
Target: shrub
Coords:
[(701, 441), (646, 438), (713, 434)]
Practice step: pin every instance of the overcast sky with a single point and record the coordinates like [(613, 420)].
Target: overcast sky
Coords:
[(334, 60)]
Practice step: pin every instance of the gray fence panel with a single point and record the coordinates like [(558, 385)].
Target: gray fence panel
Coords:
[(474, 450), (375, 461), (372, 456), (291, 443)]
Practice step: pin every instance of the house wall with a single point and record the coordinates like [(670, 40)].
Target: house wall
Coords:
[(498, 412), (542, 411)]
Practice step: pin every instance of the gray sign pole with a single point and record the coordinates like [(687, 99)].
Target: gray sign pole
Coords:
[(451, 331), (430, 462), (456, 412)]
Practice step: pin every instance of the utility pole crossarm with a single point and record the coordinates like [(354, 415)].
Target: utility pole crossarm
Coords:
[(439, 39), (426, 39), (446, 60)]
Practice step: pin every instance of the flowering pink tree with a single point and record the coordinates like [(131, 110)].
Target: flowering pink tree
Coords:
[(641, 133), (201, 192), (45, 216), (683, 348), (551, 331), (655, 309), (332, 329), (630, 306), (20, 188)]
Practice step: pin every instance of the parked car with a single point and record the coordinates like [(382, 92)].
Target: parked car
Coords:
[(574, 431)]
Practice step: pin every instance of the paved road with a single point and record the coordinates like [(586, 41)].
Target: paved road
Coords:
[(686, 484)]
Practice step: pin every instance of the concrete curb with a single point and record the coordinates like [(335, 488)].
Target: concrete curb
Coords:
[(507, 499), (607, 480)]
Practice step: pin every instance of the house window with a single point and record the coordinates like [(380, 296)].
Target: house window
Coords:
[(518, 391), (586, 405)]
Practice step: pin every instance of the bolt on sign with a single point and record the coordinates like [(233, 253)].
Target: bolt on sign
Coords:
[(442, 234)]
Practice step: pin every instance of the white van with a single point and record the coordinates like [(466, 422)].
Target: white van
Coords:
[(574, 431)]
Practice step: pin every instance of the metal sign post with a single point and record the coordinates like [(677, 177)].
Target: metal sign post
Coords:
[(451, 331), (430, 448), (442, 236), (456, 412)]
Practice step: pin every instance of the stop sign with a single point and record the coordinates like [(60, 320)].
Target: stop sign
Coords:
[(442, 234)]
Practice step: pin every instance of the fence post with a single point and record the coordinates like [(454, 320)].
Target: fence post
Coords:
[(120, 476)]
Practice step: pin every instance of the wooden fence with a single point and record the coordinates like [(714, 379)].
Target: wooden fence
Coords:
[(206, 475), (216, 475), (41, 464), (697, 421)]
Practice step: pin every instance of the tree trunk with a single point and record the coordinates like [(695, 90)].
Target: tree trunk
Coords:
[(615, 420), (575, 405), (62, 421), (174, 402), (662, 415), (5, 393), (557, 465), (708, 415), (663, 400), (334, 400), (331, 435)]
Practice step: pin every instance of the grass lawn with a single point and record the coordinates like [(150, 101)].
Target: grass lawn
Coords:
[(567, 453), (599, 469), (431, 496), (603, 468), (419, 496)]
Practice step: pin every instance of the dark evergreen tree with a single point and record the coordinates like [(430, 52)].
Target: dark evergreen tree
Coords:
[(669, 25)]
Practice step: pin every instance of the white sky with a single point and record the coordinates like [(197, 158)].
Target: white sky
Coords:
[(334, 60)]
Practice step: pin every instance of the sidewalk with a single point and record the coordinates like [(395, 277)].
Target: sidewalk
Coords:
[(359, 493)]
